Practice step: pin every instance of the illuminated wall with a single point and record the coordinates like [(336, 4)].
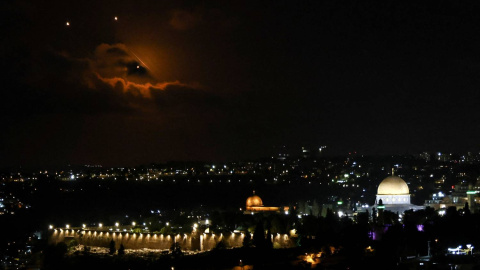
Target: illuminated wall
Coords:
[(192, 241), (394, 199), (263, 209)]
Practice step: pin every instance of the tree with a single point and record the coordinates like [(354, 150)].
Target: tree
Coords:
[(138, 229), (451, 213), (112, 247), (61, 249), (292, 210), (86, 250), (362, 218), (268, 241), (278, 224), (466, 209), (176, 250), (259, 235), (153, 223), (72, 244), (389, 217), (121, 250), (307, 209), (247, 240), (316, 209), (301, 207), (220, 245), (166, 230), (374, 215), (54, 256)]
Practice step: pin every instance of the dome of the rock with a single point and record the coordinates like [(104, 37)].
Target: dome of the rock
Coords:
[(393, 185), (254, 201)]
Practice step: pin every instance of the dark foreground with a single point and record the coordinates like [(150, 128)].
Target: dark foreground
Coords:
[(250, 258)]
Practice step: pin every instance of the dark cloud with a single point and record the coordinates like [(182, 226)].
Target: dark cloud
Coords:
[(104, 83), (117, 51), (113, 61), (59, 84)]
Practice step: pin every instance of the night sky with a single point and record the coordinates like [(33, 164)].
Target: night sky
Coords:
[(232, 80)]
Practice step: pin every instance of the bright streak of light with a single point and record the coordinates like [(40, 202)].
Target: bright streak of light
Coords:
[(140, 60), (147, 58)]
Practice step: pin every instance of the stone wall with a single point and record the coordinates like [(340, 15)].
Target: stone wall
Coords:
[(193, 241)]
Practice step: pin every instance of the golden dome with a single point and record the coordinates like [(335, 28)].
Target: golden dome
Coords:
[(393, 185), (254, 201)]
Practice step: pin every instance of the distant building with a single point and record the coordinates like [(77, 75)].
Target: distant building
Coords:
[(395, 196), (461, 195)]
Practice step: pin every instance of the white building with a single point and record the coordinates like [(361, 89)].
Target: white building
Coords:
[(394, 195)]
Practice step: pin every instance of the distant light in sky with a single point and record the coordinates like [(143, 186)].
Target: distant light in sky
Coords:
[(67, 23), (116, 18)]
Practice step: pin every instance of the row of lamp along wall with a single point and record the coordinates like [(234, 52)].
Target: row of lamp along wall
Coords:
[(131, 240)]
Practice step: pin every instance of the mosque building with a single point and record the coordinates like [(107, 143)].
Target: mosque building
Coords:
[(255, 205), (393, 195)]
